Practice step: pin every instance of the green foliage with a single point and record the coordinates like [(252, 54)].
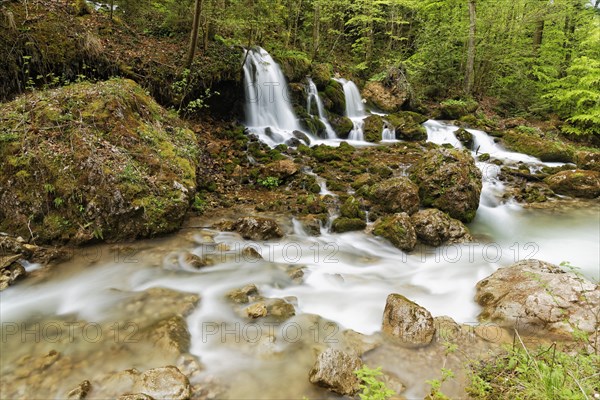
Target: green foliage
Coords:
[(183, 90), (436, 385), (547, 373), (270, 182), (199, 204), (372, 388)]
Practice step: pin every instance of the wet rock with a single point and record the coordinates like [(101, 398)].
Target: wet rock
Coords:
[(357, 344), (407, 125), (342, 224), (166, 383), (169, 335), (465, 137), (80, 392), (296, 274), (395, 195), (155, 304), (536, 295), (244, 295), (372, 128), (293, 142), (311, 224), (341, 125), (277, 309), (302, 136), (589, 160), (334, 370), (256, 228), (321, 75), (10, 270), (577, 183), (135, 396), (449, 180), (193, 261), (352, 209), (435, 227), (333, 97), (386, 99), (281, 169), (398, 229), (407, 321)]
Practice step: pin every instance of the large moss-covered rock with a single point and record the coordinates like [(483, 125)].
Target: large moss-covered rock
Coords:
[(435, 227), (407, 125), (588, 160), (294, 64), (398, 229), (395, 195), (576, 183), (94, 161), (386, 99), (454, 109), (449, 180), (344, 224), (321, 75), (530, 141), (341, 125), (465, 137), (372, 128), (352, 208), (333, 97)]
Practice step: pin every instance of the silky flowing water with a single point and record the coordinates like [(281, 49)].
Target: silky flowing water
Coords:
[(347, 277)]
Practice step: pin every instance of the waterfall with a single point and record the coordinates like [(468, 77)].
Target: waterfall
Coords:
[(269, 112), (388, 132), (355, 109), (313, 96)]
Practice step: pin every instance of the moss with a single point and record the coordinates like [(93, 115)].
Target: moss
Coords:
[(342, 224), (133, 174), (295, 64), (373, 128), (341, 125), (531, 142), (454, 109), (407, 125), (334, 98), (352, 209), (321, 75)]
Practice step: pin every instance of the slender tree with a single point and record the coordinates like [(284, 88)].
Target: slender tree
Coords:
[(194, 35), (470, 71)]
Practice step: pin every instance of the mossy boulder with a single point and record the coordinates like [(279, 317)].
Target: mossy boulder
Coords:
[(407, 125), (531, 141), (386, 99), (576, 183), (321, 75), (448, 180), (372, 128), (465, 137), (398, 229), (328, 153), (343, 224), (395, 195), (435, 227), (352, 209), (94, 161), (454, 109), (294, 64), (334, 98), (341, 125), (588, 160)]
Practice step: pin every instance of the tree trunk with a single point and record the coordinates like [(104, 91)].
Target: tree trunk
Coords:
[(316, 30), (538, 34), (112, 6), (194, 35), (470, 71)]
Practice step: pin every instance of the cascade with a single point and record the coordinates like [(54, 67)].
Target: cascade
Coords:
[(313, 96), (269, 111), (355, 109)]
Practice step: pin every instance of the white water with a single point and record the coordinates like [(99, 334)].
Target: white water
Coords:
[(313, 96), (269, 112), (355, 109)]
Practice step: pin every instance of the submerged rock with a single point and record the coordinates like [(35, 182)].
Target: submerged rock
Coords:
[(256, 228), (449, 180), (465, 137), (398, 229), (244, 295), (277, 309), (435, 227), (534, 295), (407, 321), (166, 383), (395, 195), (577, 183), (334, 370)]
